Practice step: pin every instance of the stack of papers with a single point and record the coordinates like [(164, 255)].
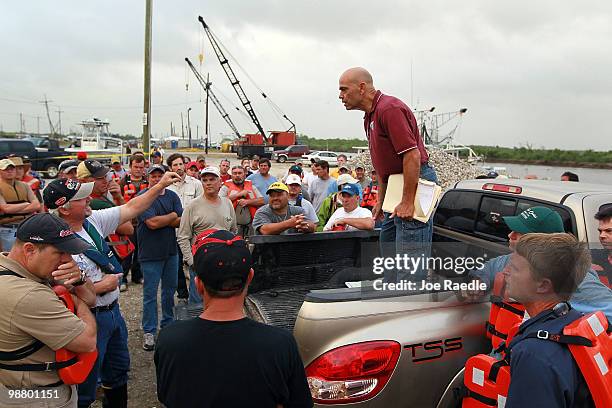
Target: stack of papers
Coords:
[(425, 200)]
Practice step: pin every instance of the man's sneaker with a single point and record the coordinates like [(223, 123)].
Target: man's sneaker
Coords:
[(149, 342), (123, 287)]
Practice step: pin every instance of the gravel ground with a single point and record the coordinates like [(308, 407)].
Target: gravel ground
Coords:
[(142, 391)]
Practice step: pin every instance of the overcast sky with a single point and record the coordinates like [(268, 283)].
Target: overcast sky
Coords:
[(530, 72)]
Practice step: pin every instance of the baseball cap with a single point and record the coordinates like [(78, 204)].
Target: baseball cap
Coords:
[(277, 186), (156, 154), (17, 161), (115, 159), (46, 229), (5, 164), (293, 179), (350, 188), (492, 174), (191, 164), (59, 192), (201, 157), (535, 219), (68, 165), (156, 167), (296, 168), (344, 166), (211, 170), (81, 155), (345, 178), (221, 260), (91, 168)]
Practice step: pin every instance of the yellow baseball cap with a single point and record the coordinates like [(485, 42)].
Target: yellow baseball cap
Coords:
[(278, 186)]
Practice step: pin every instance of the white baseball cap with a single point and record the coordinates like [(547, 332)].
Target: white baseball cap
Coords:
[(293, 179), (345, 178), (211, 170)]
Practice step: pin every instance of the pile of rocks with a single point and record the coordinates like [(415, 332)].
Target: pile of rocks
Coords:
[(449, 168)]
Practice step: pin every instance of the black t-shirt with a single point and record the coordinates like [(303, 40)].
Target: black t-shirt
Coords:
[(240, 363)]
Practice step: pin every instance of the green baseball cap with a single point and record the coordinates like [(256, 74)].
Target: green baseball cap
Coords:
[(536, 219)]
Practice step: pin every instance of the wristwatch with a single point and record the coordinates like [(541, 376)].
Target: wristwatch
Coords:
[(82, 280)]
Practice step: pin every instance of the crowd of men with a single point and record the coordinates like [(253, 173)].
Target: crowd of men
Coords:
[(108, 222), (159, 219)]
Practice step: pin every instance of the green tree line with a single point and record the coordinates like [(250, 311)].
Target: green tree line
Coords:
[(497, 153)]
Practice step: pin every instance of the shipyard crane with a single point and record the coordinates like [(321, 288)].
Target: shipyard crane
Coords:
[(206, 86), (233, 79)]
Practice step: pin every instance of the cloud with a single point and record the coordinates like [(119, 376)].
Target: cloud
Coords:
[(526, 71)]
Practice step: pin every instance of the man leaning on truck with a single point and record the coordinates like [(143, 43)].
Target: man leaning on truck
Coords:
[(591, 294)]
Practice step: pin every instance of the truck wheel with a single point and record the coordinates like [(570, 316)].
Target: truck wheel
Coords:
[(51, 170), (282, 159)]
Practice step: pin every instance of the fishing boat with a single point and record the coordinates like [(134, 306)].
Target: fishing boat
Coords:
[(96, 140)]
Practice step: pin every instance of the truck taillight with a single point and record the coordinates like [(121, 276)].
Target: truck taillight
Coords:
[(352, 373)]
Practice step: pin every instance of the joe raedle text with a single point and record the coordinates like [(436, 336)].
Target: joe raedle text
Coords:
[(447, 284)]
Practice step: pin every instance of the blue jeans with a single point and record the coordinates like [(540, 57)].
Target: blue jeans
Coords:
[(153, 272), (113, 363), (412, 238), (194, 296), (7, 237)]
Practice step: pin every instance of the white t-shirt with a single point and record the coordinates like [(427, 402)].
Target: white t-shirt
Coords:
[(340, 213), (106, 222)]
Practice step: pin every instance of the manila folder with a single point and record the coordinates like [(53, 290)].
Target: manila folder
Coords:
[(425, 200)]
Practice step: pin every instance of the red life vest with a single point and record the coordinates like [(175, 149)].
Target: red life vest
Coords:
[(129, 189), (505, 316), (487, 379), (77, 372), (248, 186)]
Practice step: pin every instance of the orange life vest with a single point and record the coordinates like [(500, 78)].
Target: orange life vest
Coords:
[(588, 338), (72, 368), (505, 316), (370, 196), (129, 189), (248, 186), (77, 372)]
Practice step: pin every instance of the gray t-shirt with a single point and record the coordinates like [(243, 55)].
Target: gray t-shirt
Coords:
[(265, 215), (319, 189)]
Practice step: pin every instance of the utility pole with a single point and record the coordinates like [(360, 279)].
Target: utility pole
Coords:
[(198, 133), (38, 125), (182, 127), (189, 127), (21, 123), (146, 117), (59, 117), (46, 103), (206, 124)]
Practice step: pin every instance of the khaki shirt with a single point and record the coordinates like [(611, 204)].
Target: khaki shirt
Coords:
[(31, 310)]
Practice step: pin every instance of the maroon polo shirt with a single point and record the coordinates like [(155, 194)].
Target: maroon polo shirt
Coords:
[(392, 130)]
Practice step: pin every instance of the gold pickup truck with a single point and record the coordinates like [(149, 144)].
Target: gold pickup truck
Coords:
[(363, 347)]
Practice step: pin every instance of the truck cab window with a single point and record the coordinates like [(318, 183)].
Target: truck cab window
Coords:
[(457, 211), (490, 214)]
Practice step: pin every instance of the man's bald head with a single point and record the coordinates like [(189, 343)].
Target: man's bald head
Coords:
[(356, 89), (357, 75)]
